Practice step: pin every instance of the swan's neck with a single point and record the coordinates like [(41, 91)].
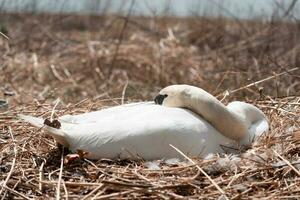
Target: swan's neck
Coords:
[(211, 109), (255, 120)]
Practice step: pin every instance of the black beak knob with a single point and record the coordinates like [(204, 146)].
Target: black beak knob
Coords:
[(160, 98)]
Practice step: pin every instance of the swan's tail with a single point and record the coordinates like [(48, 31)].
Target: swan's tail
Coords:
[(57, 133), (35, 121)]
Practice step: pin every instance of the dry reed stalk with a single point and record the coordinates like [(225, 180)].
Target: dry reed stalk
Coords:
[(3, 185), (60, 175)]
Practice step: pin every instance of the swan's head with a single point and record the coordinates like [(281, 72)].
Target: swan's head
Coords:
[(173, 96)]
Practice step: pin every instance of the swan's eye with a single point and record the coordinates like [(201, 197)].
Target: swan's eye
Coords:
[(160, 98)]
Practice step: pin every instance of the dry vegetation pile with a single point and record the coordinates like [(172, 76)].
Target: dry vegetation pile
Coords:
[(93, 62)]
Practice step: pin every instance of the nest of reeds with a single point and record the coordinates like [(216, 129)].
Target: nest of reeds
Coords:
[(94, 63)]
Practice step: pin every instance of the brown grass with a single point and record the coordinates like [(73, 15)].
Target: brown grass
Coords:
[(70, 57)]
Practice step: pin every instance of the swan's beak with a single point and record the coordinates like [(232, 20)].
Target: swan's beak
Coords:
[(160, 98)]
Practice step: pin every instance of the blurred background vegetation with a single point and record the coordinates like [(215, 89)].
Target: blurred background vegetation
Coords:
[(101, 48)]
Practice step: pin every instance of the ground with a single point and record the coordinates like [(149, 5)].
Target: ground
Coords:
[(91, 62)]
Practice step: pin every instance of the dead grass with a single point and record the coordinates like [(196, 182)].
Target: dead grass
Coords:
[(69, 57)]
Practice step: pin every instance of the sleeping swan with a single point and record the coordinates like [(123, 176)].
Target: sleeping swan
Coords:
[(185, 116)]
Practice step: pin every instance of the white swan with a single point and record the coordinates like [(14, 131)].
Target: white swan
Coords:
[(188, 118)]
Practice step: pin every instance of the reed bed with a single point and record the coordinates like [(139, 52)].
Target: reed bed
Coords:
[(91, 62)]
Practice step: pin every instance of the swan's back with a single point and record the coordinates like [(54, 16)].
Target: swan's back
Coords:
[(141, 130)]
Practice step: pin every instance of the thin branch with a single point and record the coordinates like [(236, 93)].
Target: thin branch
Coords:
[(287, 162), (15, 192), (4, 35), (92, 192), (238, 21), (123, 93), (120, 39), (202, 171), (66, 190), (263, 80)]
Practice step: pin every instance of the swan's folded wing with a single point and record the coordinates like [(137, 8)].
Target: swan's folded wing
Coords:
[(113, 113)]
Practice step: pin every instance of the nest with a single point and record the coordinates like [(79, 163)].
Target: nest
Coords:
[(91, 73)]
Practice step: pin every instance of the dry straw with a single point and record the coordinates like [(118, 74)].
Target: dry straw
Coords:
[(81, 61)]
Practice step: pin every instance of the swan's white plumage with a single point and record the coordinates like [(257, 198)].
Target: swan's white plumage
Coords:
[(145, 130)]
